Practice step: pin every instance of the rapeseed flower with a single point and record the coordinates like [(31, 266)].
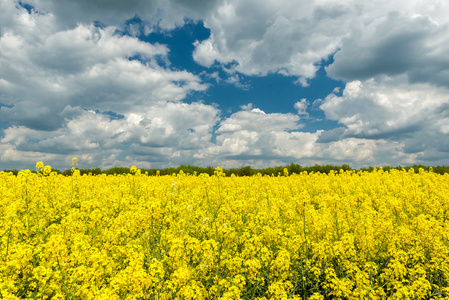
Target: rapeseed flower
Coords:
[(39, 165), (345, 235)]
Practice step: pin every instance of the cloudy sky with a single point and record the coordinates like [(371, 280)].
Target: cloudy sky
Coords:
[(158, 83)]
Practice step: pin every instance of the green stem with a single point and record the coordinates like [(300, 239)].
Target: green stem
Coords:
[(7, 243)]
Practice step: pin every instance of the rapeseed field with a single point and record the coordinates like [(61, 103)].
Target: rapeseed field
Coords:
[(343, 235)]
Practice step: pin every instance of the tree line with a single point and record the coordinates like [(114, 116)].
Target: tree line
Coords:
[(246, 171)]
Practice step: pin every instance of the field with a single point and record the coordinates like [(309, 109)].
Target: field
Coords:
[(343, 235)]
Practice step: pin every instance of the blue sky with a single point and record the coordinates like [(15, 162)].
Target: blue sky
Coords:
[(229, 83)]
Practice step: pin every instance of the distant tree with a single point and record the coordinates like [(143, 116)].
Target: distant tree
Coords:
[(14, 172), (245, 171), (294, 168)]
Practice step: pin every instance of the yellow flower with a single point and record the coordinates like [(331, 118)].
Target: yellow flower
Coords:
[(219, 172), (47, 170), (343, 235), (39, 165), (316, 296)]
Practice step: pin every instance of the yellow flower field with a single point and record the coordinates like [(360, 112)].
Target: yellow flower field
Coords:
[(347, 235)]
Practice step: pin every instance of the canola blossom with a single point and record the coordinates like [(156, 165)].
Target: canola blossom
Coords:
[(343, 235)]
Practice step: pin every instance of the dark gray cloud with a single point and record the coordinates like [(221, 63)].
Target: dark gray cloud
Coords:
[(32, 115), (331, 135), (165, 13), (395, 44)]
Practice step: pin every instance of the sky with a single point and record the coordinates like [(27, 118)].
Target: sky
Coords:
[(228, 83)]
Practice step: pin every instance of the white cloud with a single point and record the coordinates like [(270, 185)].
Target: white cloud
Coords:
[(256, 119), (352, 149), (301, 106), (180, 125), (205, 54), (252, 134), (385, 106), (236, 80), (56, 83), (288, 37), (263, 139), (44, 70), (294, 37), (161, 131), (296, 145), (391, 109)]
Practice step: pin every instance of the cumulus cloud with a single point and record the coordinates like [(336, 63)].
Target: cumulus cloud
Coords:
[(251, 134), (180, 125), (385, 107), (45, 70), (266, 139), (368, 38), (395, 44), (90, 92), (166, 14), (255, 119), (161, 131), (293, 37), (301, 106), (391, 109), (288, 37)]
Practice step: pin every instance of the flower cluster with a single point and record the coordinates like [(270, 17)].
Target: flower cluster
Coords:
[(345, 235)]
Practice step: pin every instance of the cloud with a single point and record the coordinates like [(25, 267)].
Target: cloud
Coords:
[(90, 92), (45, 71), (180, 125), (252, 134), (287, 37), (166, 14), (291, 37), (295, 38), (387, 107), (394, 44), (353, 149), (248, 106), (391, 109), (179, 133), (332, 135), (263, 139), (301, 106), (255, 119), (161, 131)]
